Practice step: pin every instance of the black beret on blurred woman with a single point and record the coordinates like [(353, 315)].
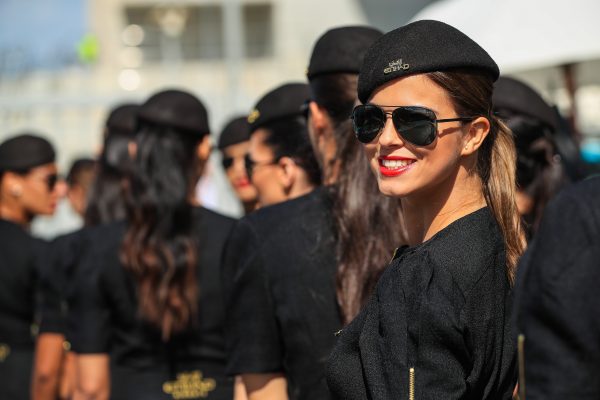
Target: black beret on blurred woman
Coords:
[(540, 169)]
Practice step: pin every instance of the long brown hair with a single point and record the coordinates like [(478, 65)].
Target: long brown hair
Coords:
[(471, 94), (367, 224), (159, 249)]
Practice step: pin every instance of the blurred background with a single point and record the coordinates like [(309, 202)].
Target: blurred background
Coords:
[(65, 63)]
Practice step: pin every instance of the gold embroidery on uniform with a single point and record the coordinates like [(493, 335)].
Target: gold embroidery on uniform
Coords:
[(253, 116), (521, 359), (189, 385), (4, 351), (411, 384)]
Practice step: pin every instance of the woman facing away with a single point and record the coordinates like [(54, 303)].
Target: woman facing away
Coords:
[(438, 324), (54, 369), (147, 320)]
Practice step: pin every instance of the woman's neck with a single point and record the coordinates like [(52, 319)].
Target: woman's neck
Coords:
[(16, 215), (430, 212)]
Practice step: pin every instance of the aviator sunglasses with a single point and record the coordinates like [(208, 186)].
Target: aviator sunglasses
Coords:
[(417, 125)]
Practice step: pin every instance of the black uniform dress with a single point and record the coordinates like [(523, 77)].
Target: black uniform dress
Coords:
[(557, 299), (63, 258), (104, 318), (438, 325), (20, 265), (282, 310)]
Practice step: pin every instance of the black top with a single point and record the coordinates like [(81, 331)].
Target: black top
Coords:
[(438, 323), (282, 310), (63, 258), (104, 318), (19, 287), (556, 298)]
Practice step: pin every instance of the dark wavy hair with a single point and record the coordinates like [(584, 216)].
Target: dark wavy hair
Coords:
[(106, 200), (158, 249), (368, 225), (288, 137)]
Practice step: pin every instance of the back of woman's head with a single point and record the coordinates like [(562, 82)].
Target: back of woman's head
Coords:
[(288, 137), (159, 249), (471, 94), (106, 201)]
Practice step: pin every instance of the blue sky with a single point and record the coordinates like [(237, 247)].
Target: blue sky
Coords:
[(46, 31)]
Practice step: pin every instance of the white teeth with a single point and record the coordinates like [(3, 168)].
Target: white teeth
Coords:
[(396, 164)]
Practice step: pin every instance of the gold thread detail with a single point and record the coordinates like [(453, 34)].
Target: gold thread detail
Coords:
[(189, 385), (395, 66), (521, 352), (253, 116), (411, 384)]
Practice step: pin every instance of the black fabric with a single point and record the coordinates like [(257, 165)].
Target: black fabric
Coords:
[(21, 259), (282, 311), (25, 151), (341, 50), (123, 119), (177, 109), (104, 318), (442, 308), (282, 102), (63, 259), (556, 298), (236, 131), (417, 48)]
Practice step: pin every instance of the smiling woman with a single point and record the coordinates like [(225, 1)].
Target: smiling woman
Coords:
[(438, 324)]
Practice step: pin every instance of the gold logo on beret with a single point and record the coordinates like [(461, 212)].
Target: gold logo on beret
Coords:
[(253, 116), (396, 66)]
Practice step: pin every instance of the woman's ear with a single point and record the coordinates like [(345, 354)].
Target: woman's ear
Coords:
[(287, 172), (479, 128), (203, 148)]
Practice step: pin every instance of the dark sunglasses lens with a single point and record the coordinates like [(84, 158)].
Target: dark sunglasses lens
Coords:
[(227, 162), (52, 180), (416, 125), (248, 164), (367, 122)]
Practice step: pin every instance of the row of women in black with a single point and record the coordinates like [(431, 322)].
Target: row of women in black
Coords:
[(156, 309)]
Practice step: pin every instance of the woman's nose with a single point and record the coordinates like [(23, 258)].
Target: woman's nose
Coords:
[(389, 136)]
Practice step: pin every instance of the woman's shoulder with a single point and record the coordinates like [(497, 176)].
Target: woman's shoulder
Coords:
[(466, 249)]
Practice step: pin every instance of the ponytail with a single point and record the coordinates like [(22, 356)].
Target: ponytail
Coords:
[(471, 94), (497, 163)]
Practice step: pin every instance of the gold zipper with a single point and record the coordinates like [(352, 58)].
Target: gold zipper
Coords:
[(411, 384), (521, 352)]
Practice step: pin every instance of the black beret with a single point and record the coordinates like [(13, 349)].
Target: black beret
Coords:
[(519, 98), (24, 152), (177, 109), (283, 102), (417, 48), (123, 119), (341, 50), (236, 131)]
